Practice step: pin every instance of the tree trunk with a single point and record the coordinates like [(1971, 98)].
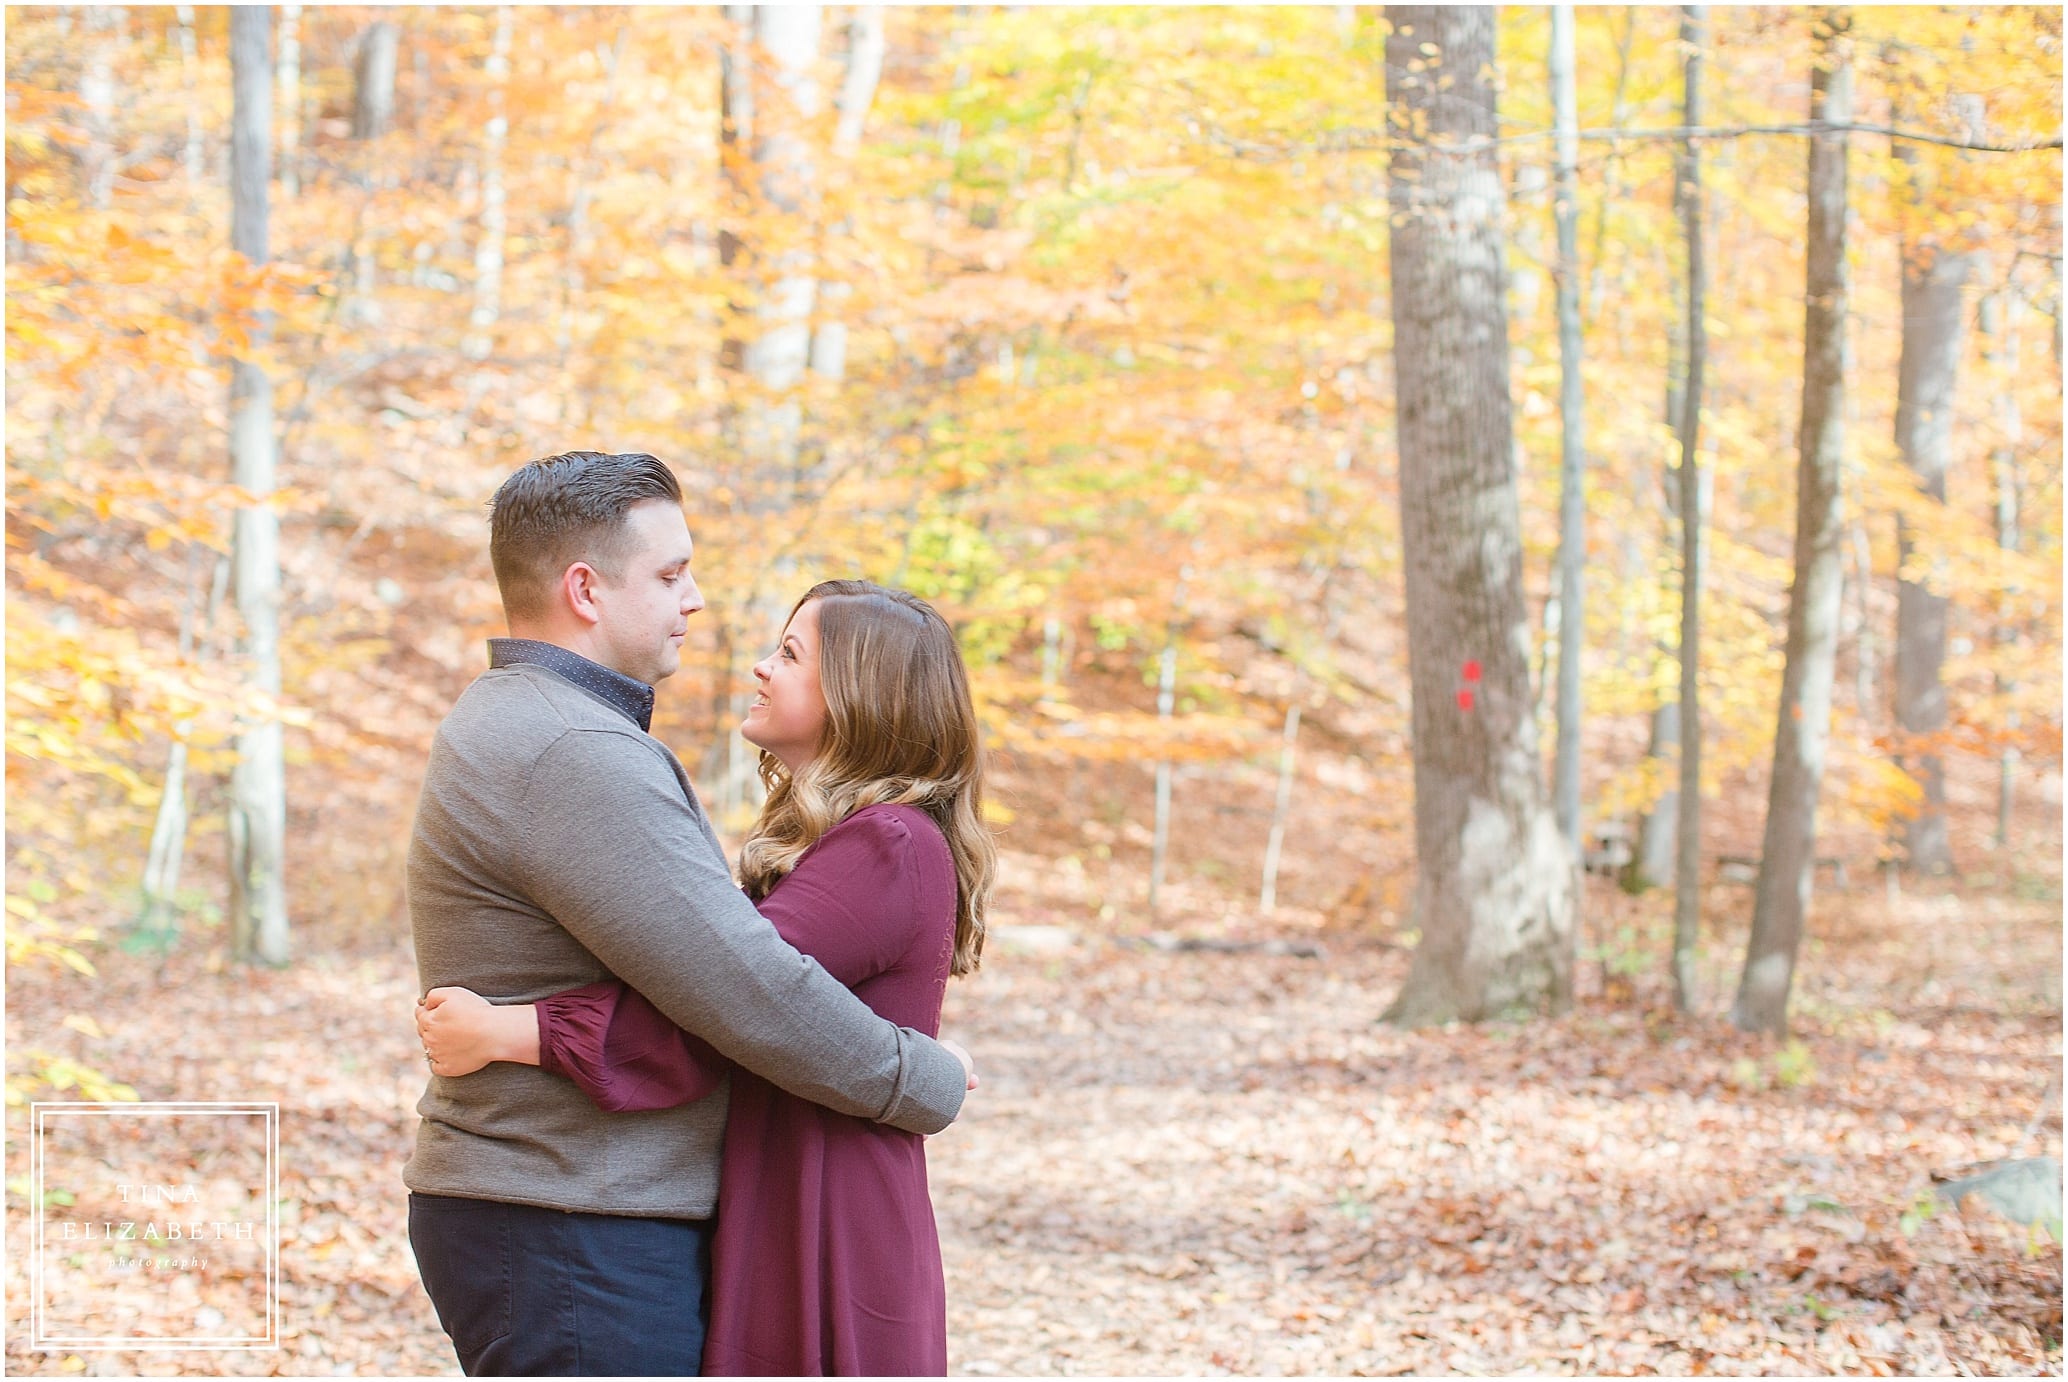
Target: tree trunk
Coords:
[(1657, 837), (1933, 281), (1051, 656), (865, 49), (1658, 833), (169, 830), (787, 173), (771, 97), (258, 788), (373, 77), (1281, 809), (1166, 699), (191, 155), (1572, 530), (735, 136), (488, 248), (1866, 655), (1494, 892), (1687, 853), (290, 67), (737, 68), (168, 848), (2000, 328), (373, 112), (97, 96), (1788, 856), (580, 238), (1614, 193)]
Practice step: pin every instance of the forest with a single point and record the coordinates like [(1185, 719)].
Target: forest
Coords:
[(1511, 561)]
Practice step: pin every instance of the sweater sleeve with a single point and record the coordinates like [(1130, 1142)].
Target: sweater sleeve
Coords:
[(623, 1051), (610, 845), (851, 904)]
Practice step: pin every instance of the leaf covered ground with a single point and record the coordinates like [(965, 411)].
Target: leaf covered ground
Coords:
[(1198, 1162)]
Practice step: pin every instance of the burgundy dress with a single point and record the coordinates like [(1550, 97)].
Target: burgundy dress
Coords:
[(826, 1259)]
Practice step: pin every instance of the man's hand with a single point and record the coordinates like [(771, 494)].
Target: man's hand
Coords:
[(955, 1049), (461, 1031)]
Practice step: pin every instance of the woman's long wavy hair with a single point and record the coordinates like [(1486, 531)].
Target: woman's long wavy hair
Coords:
[(900, 727)]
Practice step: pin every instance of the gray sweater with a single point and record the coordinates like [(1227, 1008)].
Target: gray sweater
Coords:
[(557, 844)]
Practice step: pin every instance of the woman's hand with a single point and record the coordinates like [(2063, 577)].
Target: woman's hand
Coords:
[(969, 1062), (461, 1031)]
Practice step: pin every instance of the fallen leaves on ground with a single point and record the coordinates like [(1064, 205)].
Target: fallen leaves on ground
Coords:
[(1199, 1162)]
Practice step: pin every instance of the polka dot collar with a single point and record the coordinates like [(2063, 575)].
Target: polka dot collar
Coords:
[(634, 698)]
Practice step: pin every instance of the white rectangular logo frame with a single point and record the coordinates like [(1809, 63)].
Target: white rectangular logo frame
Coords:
[(40, 1340)]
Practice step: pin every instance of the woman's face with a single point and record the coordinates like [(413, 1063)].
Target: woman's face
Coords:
[(789, 712)]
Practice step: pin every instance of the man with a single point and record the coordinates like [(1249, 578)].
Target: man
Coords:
[(558, 843)]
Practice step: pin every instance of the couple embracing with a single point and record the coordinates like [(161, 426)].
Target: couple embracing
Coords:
[(674, 1123)]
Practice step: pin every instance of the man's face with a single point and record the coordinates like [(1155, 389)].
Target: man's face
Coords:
[(645, 613)]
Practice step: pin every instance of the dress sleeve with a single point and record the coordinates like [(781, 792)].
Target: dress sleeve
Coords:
[(852, 902), (651, 898), (623, 1051)]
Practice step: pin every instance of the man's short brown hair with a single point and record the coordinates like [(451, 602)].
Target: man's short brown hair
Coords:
[(562, 509)]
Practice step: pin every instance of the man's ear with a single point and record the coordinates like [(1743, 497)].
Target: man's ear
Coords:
[(578, 585)]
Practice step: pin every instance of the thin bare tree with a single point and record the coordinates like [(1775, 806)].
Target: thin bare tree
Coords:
[(373, 79), (2000, 317), (258, 783), (1933, 293), (1687, 841), (1572, 503), (289, 65), (1788, 856)]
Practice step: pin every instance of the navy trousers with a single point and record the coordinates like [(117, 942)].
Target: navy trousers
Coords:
[(530, 1292)]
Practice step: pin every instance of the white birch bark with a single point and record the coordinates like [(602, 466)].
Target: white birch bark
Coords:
[(258, 788)]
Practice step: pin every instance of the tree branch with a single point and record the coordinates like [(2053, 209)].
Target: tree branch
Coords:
[(1808, 128), (1359, 141)]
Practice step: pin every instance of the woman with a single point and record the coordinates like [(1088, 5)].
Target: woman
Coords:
[(870, 855)]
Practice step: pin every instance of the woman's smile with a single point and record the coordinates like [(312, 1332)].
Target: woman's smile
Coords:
[(788, 712)]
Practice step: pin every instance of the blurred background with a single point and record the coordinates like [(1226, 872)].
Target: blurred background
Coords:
[(1076, 323)]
